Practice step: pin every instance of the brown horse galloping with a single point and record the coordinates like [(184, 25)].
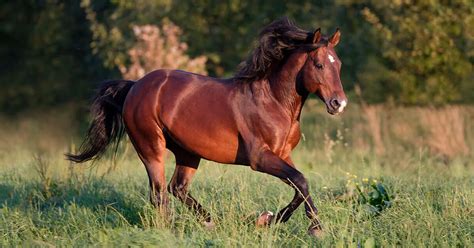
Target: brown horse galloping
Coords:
[(251, 119)]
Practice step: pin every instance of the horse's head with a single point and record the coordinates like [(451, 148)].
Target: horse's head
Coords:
[(321, 72)]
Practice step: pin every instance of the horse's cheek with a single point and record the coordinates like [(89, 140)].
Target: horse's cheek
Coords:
[(310, 80), (311, 84)]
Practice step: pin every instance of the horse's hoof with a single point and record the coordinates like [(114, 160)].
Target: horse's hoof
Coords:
[(265, 219), (209, 225), (316, 231)]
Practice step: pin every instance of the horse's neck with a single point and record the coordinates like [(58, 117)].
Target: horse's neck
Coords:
[(284, 84)]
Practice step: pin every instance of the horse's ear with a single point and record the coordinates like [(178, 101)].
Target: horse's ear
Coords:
[(317, 36), (334, 40)]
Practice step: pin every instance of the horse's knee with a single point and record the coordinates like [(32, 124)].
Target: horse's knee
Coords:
[(300, 182)]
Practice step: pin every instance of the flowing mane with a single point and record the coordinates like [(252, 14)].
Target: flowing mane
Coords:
[(275, 40)]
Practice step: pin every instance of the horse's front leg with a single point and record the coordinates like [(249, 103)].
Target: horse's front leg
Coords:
[(271, 164)]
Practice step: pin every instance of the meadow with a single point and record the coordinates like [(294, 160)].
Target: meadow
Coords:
[(422, 156)]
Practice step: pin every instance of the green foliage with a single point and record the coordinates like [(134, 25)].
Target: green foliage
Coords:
[(428, 46), (368, 194), (45, 55), (375, 196), (390, 57), (414, 52)]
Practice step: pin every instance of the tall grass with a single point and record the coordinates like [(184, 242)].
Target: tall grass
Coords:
[(46, 201)]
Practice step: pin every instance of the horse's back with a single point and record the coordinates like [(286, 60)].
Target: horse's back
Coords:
[(195, 111)]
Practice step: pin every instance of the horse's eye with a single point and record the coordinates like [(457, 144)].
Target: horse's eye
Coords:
[(319, 66)]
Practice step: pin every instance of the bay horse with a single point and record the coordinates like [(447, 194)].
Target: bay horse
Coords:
[(251, 119)]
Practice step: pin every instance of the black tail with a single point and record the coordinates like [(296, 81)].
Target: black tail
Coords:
[(107, 124)]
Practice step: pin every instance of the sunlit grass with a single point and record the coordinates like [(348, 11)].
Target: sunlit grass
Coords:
[(44, 200), (86, 208)]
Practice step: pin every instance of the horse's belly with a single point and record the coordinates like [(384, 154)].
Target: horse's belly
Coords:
[(205, 138)]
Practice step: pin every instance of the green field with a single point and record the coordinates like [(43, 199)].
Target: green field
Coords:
[(45, 201)]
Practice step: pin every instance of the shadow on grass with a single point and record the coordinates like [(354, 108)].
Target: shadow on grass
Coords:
[(94, 194)]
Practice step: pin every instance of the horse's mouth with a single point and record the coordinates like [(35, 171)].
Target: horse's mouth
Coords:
[(332, 112)]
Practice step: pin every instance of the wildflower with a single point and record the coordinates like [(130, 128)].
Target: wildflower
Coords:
[(365, 180), (325, 187)]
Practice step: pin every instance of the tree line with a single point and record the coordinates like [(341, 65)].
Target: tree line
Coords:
[(406, 52)]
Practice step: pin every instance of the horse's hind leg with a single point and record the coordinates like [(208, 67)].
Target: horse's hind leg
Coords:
[(186, 166), (151, 148)]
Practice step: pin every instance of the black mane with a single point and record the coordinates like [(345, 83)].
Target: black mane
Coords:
[(275, 40)]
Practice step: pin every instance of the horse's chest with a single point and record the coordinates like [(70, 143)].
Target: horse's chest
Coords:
[(269, 125), (294, 135), (282, 137)]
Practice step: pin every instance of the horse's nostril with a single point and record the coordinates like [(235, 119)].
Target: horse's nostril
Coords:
[(335, 103)]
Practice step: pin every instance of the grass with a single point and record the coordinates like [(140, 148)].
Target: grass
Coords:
[(44, 201)]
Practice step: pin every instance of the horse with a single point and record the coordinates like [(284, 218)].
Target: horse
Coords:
[(250, 119)]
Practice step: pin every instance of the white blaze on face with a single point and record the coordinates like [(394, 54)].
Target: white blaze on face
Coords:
[(342, 106), (331, 58)]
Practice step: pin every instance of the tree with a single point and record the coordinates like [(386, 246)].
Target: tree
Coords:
[(46, 57), (427, 46)]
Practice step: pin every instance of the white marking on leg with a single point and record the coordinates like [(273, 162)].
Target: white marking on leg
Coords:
[(342, 106), (331, 58)]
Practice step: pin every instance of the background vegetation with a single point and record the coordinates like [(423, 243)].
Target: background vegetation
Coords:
[(407, 68), (410, 52)]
